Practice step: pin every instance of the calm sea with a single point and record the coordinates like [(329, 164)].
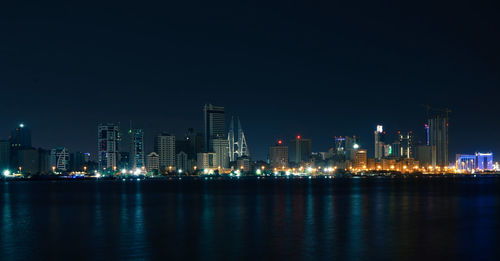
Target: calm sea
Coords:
[(249, 219)]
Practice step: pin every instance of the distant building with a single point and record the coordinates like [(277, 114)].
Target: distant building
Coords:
[(181, 161), (243, 163), (215, 124), (473, 162), (426, 155), (221, 148), (78, 160), (59, 159), (278, 155), (406, 145), (108, 138), (44, 162), (4, 155), (360, 160), (379, 135), (29, 161), (165, 147), (300, 150), (124, 160), (137, 153), (20, 138), (438, 137), (153, 162), (207, 160), (237, 142)]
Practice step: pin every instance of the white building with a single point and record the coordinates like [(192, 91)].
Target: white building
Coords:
[(181, 161), (108, 137), (221, 149), (153, 162), (165, 148)]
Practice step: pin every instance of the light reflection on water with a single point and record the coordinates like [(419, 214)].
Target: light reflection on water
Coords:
[(248, 219)]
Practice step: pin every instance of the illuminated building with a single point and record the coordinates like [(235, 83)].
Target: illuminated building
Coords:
[(278, 155), (351, 146), (108, 138), (477, 161), (243, 163), (153, 162), (300, 150), (379, 135), (484, 161), (221, 149), (406, 145), (59, 159), (438, 137), (360, 160), (339, 145), (387, 150), (137, 153), (237, 145), (215, 124), (124, 161), (181, 161), (164, 146), (207, 160)]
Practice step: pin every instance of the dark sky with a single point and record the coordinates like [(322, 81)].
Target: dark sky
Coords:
[(320, 69)]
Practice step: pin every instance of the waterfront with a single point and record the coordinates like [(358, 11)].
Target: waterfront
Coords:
[(252, 219)]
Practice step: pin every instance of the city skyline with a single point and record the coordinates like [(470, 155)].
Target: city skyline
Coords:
[(314, 72)]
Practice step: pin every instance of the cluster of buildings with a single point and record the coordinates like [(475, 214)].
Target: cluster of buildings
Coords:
[(223, 149)]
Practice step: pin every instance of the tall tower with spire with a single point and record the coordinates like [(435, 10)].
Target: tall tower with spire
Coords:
[(237, 144)]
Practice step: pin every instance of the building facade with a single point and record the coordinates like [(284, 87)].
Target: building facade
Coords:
[(278, 155), (108, 138), (214, 124), (300, 150), (165, 147), (59, 159)]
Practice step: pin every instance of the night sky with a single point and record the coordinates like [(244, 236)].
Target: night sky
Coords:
[(321, 69)]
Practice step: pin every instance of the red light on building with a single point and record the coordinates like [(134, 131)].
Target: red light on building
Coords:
[(280, 141), (298, 137)]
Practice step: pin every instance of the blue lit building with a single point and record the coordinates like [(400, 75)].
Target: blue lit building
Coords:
[(477, 161)]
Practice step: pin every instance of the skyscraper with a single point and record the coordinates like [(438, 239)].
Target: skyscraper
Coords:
[(438, 137), (215, 124), (59, 159), (406, 145), (300, 150), (165, 147), (108, 138), (237, 144), (137, 153), (221, 149), (278, 155), (379, 142)]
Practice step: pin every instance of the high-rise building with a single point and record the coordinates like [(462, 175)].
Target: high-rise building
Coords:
[(221, 148), (300, 150), (379, 135), (137, 152), (153, 162), (215, 124), (59, 159), (426, 155), (165, 147), (406, 145), (108, 138), (438, 137), (237, 144), (4, 155), (360, 159), (351, 146), (278, 155), (44, 161), (181, 161)]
